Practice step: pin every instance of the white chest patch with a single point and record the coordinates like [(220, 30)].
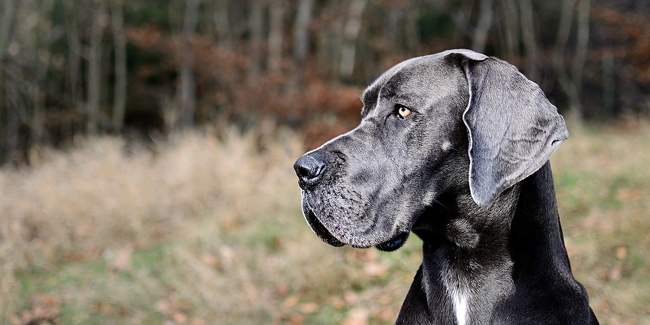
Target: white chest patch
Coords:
[(459, 298), (460, 306)]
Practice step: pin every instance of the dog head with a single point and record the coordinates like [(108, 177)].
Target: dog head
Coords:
[(452, 122)]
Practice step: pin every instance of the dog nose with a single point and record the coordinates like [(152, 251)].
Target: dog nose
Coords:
[(309, 169)]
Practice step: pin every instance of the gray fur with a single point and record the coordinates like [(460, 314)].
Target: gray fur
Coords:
[(467, 171), (513, 128)]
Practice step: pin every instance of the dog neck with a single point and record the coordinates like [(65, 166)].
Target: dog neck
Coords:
[(474, 254)]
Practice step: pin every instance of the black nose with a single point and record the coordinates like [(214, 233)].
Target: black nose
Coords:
[(309, 169)]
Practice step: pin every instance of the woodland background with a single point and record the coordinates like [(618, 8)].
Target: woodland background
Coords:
[(92, 67), (146, 150)]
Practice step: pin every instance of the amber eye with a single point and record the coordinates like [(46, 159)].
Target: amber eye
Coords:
[(403, 111)]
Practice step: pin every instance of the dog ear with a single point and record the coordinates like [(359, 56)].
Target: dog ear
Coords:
[(513, 129)]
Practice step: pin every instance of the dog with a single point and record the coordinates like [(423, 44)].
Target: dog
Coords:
[(455, 148)]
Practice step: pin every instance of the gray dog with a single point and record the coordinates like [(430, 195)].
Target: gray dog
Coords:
[(453, 147)]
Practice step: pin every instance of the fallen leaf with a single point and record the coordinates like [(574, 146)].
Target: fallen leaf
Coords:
[(356, 317), (621, 252), (603, 306), (374, 269), (387, 315), (210, 260), (227, 256), (615, 273), (296, 320), (350, 297), (282, 289), (198, 321), (74, 257), (338, 303), (162, 306), (102, 307), (368, 255), (627, 194), (179, 318), (122, 260), (308, 308), (290, 302)]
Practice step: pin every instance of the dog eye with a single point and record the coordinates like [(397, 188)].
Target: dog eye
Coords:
[(403, 111)]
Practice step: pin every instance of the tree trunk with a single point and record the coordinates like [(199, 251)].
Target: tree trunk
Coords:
[(350, 35), (582, 42), (187, 91), (9, 9), (11, 145), (301, 38), (74, 53), (609, 85), (564, 80), (6, 117), (392, 29), (276, 26), (119, 42), (5, 28), (222, 24), (528, 38), (256, 26), (94, 56), (511, 28), (483, 24), (41, 67), (412, 35)]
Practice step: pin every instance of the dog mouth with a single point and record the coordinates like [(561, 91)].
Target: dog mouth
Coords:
[(320, 230), (394, 243)]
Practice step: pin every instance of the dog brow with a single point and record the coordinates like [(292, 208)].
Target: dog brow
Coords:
[(369, 99), (372, 95)]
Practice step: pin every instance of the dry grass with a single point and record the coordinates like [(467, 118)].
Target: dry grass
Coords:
[(603, 186), (207, 229)]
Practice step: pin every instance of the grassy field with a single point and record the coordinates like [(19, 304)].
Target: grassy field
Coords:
[(207, 229)]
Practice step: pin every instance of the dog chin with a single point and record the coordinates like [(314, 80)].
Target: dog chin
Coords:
[(320, 230)]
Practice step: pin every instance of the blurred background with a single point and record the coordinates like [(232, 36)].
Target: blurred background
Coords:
[(146, 151)]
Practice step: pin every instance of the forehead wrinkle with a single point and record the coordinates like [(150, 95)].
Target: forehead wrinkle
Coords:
[(368, 96)]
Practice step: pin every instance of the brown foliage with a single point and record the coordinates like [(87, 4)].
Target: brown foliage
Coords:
[(226, 93), (630, 33)]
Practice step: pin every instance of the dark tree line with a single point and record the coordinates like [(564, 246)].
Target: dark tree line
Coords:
[(87, 67)]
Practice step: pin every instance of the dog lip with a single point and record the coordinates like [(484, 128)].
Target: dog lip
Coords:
[(320, 230), (394, 243)]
